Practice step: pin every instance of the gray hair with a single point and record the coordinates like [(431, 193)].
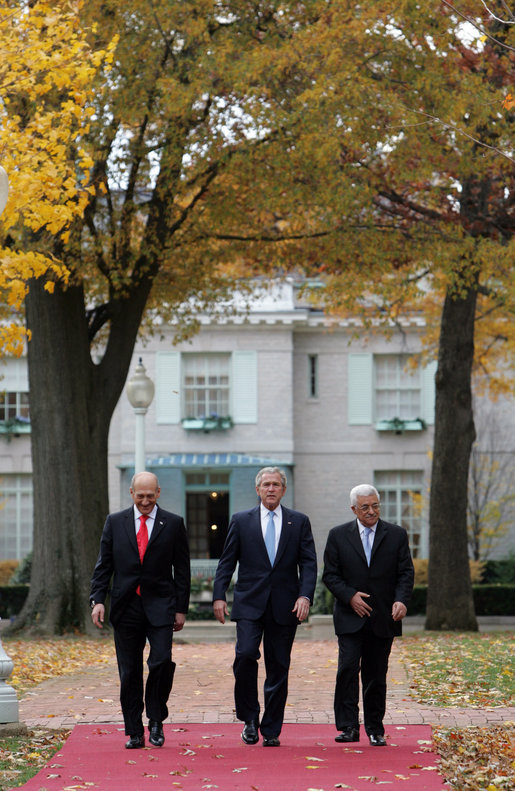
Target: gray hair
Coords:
[(270, 471), (363, 490)]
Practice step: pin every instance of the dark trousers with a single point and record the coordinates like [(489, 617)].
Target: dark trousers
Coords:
[(130, 636), (370, 653), (277, 645)]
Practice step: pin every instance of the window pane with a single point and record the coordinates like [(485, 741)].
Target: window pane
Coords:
[(397, 388), (400, 493), (206, 385), (15, 516)]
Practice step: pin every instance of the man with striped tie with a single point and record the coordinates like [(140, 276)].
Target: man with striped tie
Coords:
[(368, 569), (277, 572)]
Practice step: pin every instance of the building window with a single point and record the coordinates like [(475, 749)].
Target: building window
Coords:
[(313, 375), (14, 405), (206, 385), (15, 516), (192, 387), (401, 502), (397, 388)]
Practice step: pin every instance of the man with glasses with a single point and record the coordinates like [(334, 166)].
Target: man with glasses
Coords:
[(368, 569)]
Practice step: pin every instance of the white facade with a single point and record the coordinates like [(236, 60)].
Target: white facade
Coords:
[(321, 401)]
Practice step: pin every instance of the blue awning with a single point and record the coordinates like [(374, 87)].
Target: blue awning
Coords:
[(229, 460)]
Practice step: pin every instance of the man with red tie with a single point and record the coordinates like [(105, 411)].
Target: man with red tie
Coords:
[(144, 549)]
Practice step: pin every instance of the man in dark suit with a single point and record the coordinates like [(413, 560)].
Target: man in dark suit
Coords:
[(145, 550), (276, 582), (368, 569)]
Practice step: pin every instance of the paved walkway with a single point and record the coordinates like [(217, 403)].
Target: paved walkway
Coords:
[(203, 691)]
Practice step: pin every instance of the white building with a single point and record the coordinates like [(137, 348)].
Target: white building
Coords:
[(331, 404)]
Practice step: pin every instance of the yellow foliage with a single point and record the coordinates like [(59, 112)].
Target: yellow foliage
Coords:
[(7, 569), (421, 569), (46, 70)]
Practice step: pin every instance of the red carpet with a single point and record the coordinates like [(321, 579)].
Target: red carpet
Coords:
[(213, 757)]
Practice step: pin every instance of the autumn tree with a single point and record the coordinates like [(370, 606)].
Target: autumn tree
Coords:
[(46, 67), (419, 182), (366, 143), (189, 139)]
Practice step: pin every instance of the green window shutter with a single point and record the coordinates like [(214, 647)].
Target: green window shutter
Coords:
[(428, 393), (168, 387), (360, 389), (244, 387)]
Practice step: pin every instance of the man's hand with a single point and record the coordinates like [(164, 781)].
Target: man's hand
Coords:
[(180, 620), (97, 615), (398, 611), (359, 604), (301, 608), (220, 610)]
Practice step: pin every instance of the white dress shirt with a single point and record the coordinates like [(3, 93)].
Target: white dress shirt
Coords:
[(150, 520), (363, 534), (278, 522)]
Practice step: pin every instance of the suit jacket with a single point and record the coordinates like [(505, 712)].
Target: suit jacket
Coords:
[(164, 575), (389, 577), (293, 574)]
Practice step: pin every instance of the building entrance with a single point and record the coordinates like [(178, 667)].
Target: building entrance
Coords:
[(207, 520)]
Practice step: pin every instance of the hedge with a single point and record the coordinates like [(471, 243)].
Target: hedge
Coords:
[(488, 600), (12, 599)]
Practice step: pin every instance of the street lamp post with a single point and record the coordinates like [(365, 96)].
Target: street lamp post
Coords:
[(140, 392)]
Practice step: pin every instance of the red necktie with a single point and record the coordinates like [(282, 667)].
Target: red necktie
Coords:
[(142, 539)]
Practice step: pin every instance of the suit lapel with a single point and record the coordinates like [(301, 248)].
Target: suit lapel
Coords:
[(380, 535), (159, 523), (286, 528), (355, 540), (130, 529)]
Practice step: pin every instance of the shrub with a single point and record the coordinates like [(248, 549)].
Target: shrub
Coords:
[(421, 567), (7, 569), (12, 599), (22, 574), (502, 571)]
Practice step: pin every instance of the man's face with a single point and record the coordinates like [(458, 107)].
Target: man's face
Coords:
[(270, 490), (145, 493), (367, 510)]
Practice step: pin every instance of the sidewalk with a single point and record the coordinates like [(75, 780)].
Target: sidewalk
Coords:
[(203, 688)]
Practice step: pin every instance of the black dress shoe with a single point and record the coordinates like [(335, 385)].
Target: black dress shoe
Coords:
[(348, 734), (377, 739), (273, 741), (157, 737), (135, 743), (249, 733)]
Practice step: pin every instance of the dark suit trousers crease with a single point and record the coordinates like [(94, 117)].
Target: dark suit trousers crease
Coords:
[(130, 636), (363, 649), (277, 645)]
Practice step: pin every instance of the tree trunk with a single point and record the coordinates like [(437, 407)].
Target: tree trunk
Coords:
[(72, 402), (450, 602)]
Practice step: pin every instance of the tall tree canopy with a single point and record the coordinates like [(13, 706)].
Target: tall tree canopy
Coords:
[(46, 68), (364, 142), (420, 176), (189, 139)]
